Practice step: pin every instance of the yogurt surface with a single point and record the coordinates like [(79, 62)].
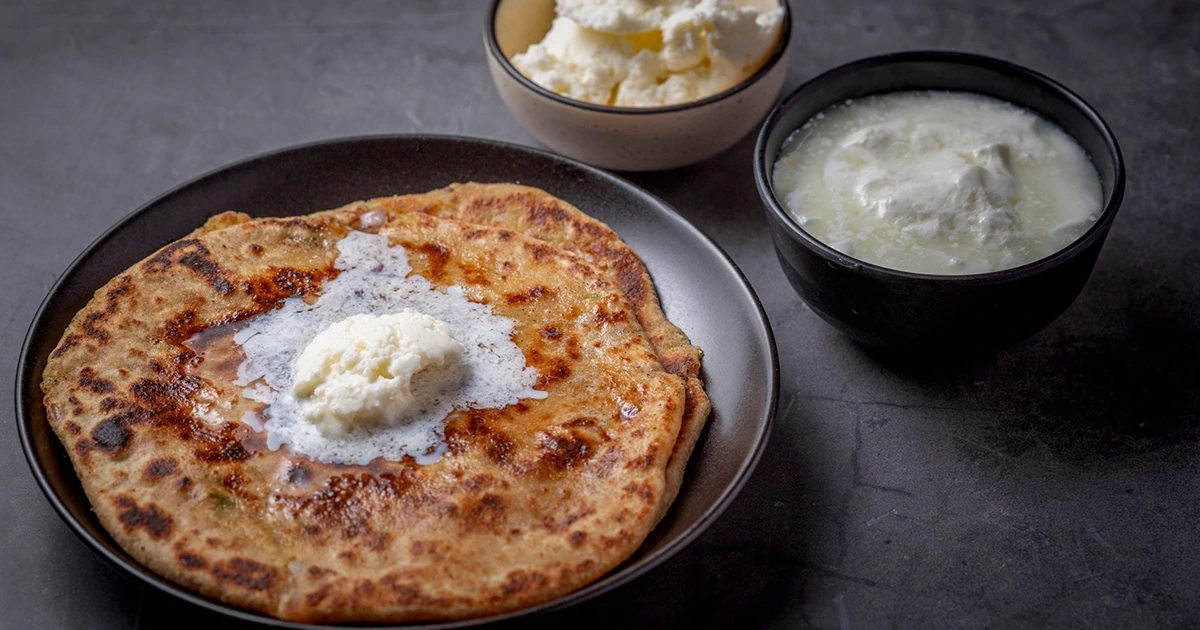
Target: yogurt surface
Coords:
[(938, 182)]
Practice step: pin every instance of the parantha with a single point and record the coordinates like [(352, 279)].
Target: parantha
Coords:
[(536, 213), (529, 502)]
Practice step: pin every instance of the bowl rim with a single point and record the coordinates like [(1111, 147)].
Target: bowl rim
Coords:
[(777, 54), (27, 370), (766, 186)]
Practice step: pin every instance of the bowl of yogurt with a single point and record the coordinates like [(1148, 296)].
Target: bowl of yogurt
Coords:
[(942, 199), (634, 85)]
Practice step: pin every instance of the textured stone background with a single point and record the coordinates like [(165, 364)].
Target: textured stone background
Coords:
[(1052, 484)]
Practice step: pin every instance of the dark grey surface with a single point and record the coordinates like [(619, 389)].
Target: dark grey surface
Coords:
[(1054, 483)]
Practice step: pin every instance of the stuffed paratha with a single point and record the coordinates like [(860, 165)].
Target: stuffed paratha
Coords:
[(536, 213), (529, 502)]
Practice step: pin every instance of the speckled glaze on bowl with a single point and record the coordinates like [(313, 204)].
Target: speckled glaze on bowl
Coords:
[(899, 309), (625, 138)]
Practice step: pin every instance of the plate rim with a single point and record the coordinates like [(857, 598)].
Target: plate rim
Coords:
[(619, 576)]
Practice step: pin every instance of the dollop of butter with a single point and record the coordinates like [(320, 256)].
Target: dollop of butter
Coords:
[(358, 373), (643, 53)]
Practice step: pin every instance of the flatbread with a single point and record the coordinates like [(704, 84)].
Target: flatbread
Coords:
[(536, 213), (530, 502)]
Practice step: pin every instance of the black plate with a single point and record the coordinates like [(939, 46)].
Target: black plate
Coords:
[(701, 291)]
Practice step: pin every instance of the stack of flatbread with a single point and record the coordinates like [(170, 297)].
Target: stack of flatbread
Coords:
[(529, 502)]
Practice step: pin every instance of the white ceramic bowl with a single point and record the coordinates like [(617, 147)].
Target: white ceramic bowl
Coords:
[(625, 138)]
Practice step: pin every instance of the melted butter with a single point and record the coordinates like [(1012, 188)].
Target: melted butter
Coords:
[(219, 358), (375, 278)]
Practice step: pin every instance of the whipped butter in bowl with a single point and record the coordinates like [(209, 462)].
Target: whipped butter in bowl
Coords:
[(636, 53), (941, 200), (638, 85)]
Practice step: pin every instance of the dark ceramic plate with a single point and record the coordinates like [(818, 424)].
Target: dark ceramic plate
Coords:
[(701, 290)]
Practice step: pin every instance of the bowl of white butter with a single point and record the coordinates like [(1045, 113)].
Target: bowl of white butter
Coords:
[(941, 199), (638, 86)]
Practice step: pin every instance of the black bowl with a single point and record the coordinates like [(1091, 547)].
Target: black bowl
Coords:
[(889, 308)]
